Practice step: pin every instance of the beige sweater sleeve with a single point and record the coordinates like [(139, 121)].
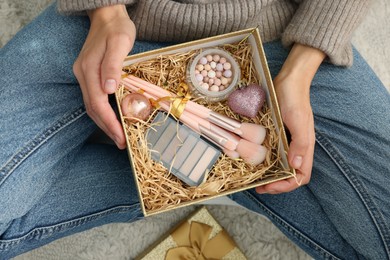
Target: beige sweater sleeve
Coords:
[(77, 6), (327, 25)]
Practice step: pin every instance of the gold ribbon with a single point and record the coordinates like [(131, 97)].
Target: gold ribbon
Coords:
[(179, 102), (194, 243)]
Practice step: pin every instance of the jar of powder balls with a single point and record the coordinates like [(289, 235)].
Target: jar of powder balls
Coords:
[(213, 74)]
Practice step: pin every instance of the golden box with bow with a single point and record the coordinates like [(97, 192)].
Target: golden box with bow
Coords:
[(199, 237)]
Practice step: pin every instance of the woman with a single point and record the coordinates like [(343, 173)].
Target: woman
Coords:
[(54, 182)]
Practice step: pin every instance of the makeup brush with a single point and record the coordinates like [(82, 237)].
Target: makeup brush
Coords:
[(232, 145), (251, 153), (251, 132), (227, 140), (215, 139)]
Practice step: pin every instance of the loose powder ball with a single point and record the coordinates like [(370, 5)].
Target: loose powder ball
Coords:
[(136, 106), (213, 67)]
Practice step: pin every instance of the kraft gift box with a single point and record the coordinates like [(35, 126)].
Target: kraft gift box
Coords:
[(199, 236), (164, 196)]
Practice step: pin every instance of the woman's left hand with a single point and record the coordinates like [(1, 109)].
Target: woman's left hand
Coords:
[(292, 87)]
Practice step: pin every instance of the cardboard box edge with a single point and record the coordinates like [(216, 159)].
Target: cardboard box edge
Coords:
[(255, 32)]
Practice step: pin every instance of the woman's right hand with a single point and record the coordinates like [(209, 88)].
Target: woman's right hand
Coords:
[(98, 67)]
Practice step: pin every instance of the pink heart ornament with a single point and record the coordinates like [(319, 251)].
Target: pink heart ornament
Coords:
[(247, 101)]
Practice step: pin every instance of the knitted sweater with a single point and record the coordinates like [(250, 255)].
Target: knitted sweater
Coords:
[(324, 24)]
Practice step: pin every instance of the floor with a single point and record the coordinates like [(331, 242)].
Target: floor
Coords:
[(256, 236)]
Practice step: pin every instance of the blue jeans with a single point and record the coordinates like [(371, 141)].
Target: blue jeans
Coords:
[(54, 182)]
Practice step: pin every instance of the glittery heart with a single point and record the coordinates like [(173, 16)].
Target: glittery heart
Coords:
[(247, 101)]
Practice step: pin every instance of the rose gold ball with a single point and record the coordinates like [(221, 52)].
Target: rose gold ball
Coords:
[(136, 105)]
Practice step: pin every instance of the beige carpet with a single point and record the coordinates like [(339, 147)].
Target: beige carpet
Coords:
[(255, 235)]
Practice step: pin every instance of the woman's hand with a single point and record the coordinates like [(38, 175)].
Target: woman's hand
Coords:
[(99, 65), (293, 91)]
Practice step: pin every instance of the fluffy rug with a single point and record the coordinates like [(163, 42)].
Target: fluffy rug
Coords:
[(255, 235)]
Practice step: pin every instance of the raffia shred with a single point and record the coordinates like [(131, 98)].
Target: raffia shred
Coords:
[(161, 190)]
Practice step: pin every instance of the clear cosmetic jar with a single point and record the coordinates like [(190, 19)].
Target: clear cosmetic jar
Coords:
[(201, 86)]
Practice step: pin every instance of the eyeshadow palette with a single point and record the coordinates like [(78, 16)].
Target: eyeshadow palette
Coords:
[(181, 150)]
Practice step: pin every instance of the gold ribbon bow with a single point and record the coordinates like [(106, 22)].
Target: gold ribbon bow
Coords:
[(179, 102), (194, 243)]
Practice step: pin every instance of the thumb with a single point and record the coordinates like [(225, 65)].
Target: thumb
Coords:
[(300, 129), (111, 68)]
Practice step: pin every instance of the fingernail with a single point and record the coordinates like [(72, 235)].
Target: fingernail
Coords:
[(267, 192), (110, 85), (297, 162)]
